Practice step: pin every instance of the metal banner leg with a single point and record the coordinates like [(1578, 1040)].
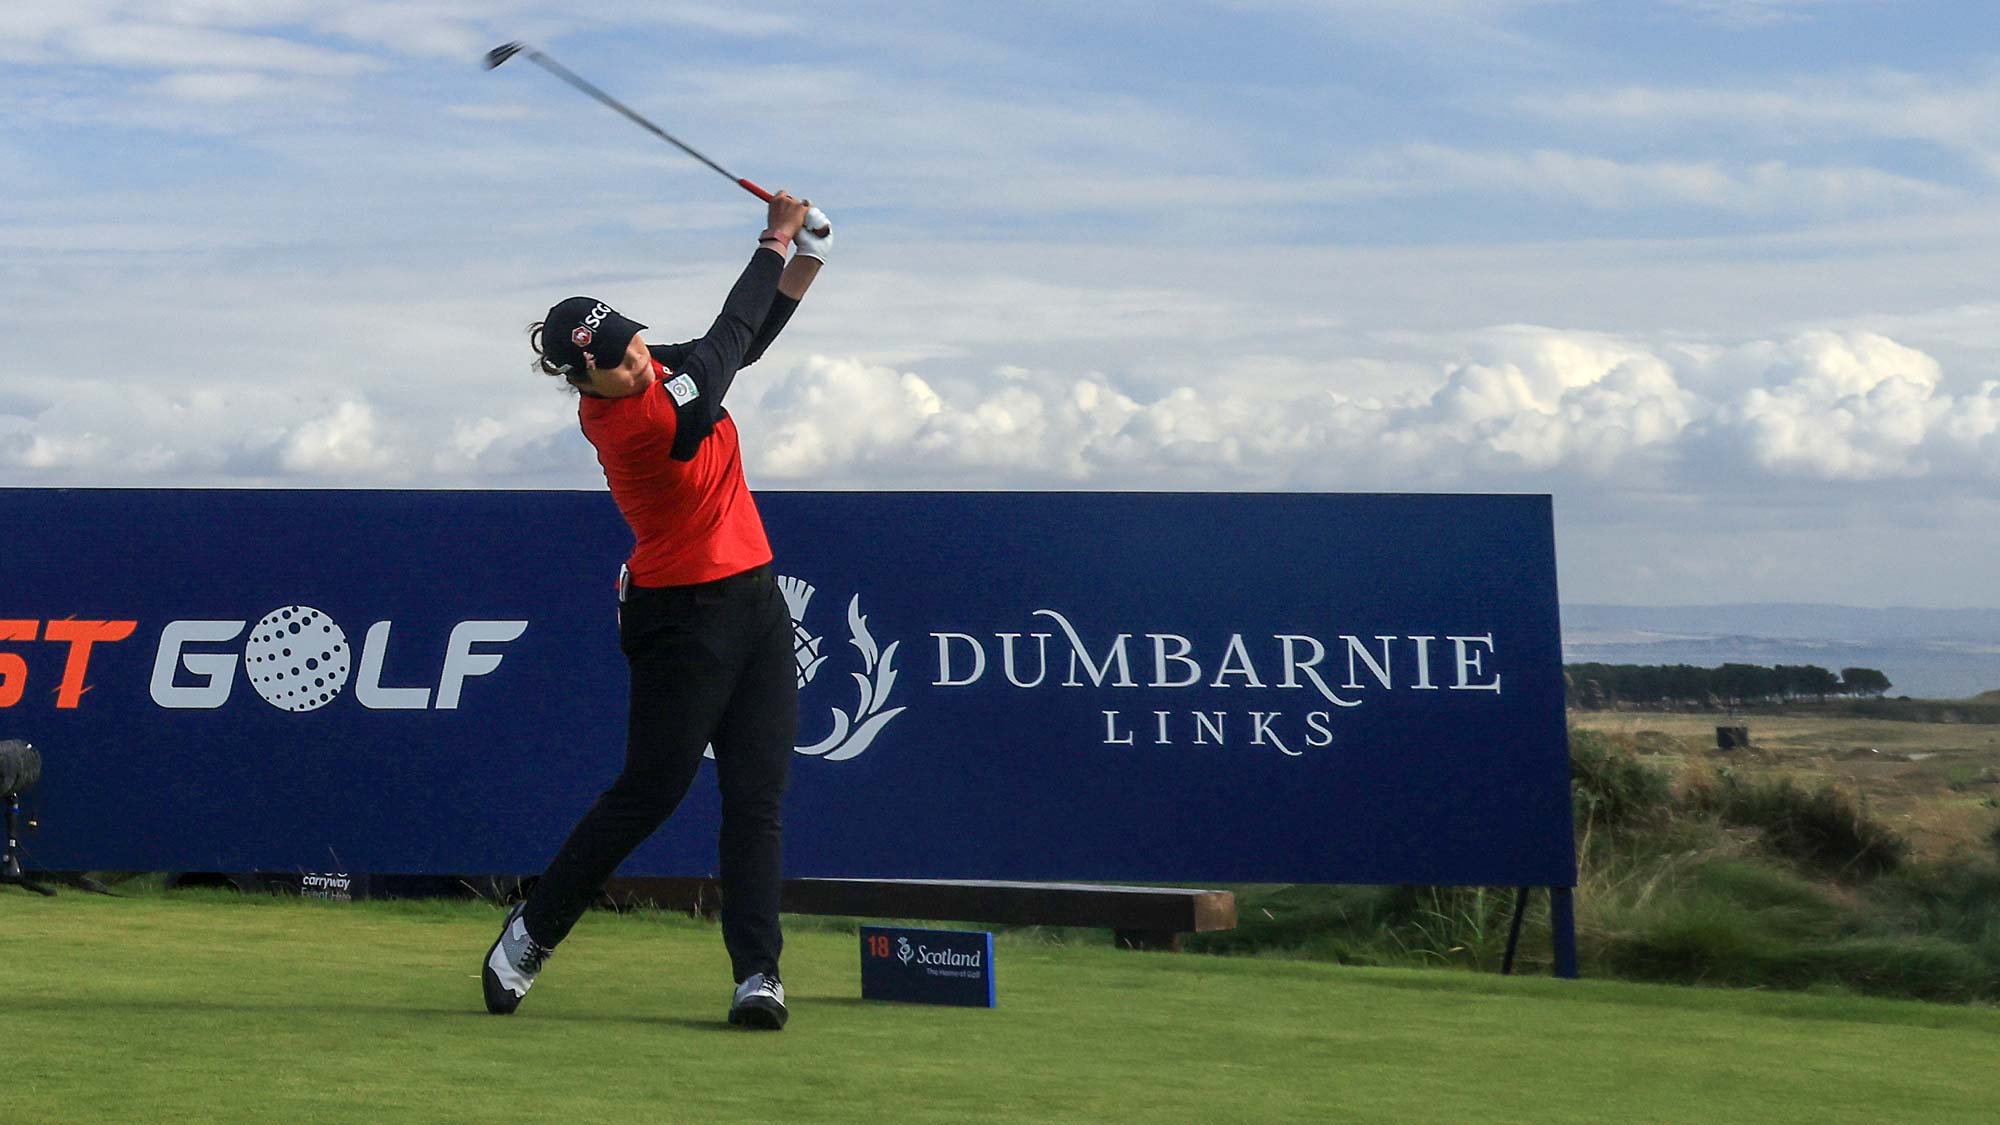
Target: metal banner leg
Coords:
[(1562, 919), (1514, 931)]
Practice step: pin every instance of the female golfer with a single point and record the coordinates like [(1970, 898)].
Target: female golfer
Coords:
[(701, 622)]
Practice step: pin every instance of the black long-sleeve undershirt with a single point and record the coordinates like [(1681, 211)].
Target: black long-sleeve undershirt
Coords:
[(752, 316)]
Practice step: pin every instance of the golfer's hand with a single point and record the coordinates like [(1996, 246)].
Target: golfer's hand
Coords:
[(815, 236), (786, 215)]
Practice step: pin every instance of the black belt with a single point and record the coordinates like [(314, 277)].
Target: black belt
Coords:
[(755, 576)]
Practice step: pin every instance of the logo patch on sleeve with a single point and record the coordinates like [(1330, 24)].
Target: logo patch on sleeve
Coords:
[(683, 390)]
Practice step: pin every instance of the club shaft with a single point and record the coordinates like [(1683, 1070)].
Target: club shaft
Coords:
[(576, 80)]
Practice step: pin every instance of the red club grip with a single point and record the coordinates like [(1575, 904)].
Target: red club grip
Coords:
[(753, 189)]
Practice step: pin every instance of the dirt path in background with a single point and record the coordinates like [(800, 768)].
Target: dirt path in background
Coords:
[(1937, 782)]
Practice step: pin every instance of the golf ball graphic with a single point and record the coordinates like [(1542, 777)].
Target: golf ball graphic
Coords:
[(297, 658)]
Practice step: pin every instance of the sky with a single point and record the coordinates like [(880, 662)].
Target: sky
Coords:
[(1715, 274)]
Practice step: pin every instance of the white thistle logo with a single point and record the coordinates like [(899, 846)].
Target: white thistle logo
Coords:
[(852, 733), (903, 950)]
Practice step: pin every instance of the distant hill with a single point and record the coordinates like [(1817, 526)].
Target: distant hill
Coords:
[(1927, 653)]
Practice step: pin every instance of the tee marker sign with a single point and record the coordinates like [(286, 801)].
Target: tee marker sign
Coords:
[(927, 966)]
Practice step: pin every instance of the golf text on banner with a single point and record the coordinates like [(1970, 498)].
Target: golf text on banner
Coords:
[(1286, 688)]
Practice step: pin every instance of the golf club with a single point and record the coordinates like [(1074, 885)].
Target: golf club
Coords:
[(506, 51)]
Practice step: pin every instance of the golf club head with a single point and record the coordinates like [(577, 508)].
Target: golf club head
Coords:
[(502, 53)]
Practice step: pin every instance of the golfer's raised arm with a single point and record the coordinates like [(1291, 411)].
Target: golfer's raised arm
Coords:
[(792, 285), (714, 359)]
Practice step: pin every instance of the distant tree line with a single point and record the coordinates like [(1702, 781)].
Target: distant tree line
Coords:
[(1607, 685)]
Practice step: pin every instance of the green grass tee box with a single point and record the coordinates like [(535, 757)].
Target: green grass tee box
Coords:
[(212, 1008)]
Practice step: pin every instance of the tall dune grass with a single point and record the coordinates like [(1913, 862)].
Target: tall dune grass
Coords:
[(1698, 876)]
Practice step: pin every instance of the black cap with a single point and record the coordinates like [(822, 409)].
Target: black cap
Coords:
[(584, 331)]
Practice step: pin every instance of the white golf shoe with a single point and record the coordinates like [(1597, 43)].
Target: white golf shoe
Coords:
[(759, 1003), (511, 965)]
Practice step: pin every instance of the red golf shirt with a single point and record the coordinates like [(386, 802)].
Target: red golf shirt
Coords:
[(670, 452), (694, 521)]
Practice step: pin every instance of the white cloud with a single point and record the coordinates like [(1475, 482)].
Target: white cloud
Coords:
[(1840, 407), (1764, 187), (40, 451), (1973, 427), (1522, 407), (1542, 407), (1960, 115), (229, 86), (441, 31), (164, 47), (730, 19), (164, 33), (535, 441), (1450, 27), (510, 113), (1755, 13), (341, 442), (96, 430), (835, 414)]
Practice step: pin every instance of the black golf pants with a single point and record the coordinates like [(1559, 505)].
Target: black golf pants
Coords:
[(710, 664)]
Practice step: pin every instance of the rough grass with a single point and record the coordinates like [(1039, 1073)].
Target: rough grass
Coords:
[(210, 1008), (1699, 875), (1983, 709), (1825, 828), (1937, 782)]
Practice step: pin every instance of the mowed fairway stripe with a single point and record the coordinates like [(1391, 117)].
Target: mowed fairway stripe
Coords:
[(187, 1008)]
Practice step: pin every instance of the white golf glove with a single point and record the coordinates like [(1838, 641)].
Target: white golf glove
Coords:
[(808, 244)]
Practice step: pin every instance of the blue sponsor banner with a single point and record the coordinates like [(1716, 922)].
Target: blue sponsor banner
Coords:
[(1061, 686), (928, 966)]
